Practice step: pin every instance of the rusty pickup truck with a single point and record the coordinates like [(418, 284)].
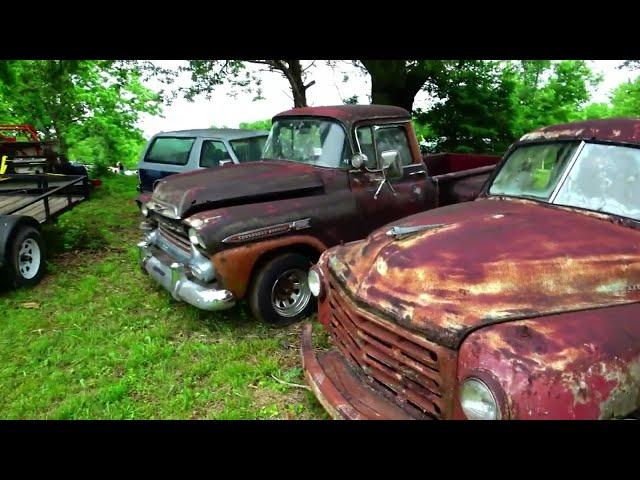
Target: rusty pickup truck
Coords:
[(328, 175), (523, 304)]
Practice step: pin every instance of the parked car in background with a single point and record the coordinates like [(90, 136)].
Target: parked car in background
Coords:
[(329, 175), (181, 151), (523, 304)]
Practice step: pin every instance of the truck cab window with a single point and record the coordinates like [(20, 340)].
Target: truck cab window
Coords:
[(212, 152), (394, 138), (365, 140)]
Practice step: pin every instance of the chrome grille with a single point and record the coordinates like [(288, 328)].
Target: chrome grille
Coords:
[(170, 233)]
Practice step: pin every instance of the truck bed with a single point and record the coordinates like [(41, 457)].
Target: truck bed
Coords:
[(43, 197), (25, 205), (462, 186)]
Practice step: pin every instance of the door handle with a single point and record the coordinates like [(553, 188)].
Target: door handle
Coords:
[(419, 172)]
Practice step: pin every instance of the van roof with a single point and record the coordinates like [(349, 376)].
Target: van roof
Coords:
[(221, 133)]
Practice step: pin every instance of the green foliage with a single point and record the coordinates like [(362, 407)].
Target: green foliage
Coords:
[(625, 99), (90, 107), (550, 93), (595, 111), (257, 125), (483, 106), (475, 107)]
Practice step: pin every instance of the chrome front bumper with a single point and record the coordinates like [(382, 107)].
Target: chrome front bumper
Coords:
[(173, 277)]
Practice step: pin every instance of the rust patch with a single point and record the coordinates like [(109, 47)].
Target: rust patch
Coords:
[(579, 365), (494, 261), (234, 266)]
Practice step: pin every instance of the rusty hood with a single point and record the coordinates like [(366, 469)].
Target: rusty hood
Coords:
[(490, 261), (236, 184)]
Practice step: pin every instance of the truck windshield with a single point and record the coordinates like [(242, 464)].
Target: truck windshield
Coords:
[(312, 141), (603, 178)]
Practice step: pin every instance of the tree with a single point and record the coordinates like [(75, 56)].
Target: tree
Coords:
[(474, 108), (208, 74), (625, 99), (548, 93), (79, 103), (257, 125), (397, 82)]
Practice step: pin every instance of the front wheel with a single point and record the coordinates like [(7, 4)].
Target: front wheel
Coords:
[(280, 293), (25, 257)]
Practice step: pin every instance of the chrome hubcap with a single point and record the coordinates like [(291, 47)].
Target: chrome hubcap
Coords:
[(290, 293), (29, 258)]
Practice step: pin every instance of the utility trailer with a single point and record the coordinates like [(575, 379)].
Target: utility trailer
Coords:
[(26, 202)]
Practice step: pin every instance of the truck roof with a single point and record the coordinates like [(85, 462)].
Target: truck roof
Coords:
[(618, 130), (222, 133), (348, 114)]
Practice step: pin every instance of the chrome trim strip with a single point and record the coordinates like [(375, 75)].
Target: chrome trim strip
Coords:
[(270, 231)]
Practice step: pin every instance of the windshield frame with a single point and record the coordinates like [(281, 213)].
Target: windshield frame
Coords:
[(550, 202), (347, 138)]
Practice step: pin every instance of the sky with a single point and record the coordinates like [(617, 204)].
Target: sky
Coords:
[(223, 110)]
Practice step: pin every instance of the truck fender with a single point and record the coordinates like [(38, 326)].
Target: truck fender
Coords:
[(236, 265), (575, 365), (8, 226)]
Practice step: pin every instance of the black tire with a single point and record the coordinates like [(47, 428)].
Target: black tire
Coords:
[(260, 294), (24, 278)]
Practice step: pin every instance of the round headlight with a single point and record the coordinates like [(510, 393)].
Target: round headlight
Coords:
[(144, 209), (195, 239), (477, 401), (315, 282)]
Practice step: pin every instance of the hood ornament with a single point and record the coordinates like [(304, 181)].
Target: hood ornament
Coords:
[(398, 233)]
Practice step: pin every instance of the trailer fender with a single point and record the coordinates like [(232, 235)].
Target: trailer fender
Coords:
[(8, 226)]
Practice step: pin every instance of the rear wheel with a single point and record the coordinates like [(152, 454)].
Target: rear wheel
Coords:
[(280, 293), (25, 257)]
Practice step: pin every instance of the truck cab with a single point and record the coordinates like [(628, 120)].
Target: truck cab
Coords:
[(328, 175), (522, 304)]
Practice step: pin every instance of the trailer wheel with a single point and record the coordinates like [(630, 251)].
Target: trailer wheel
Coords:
[(25, 261), (280, 294)]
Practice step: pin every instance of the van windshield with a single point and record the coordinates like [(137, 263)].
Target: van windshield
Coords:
[(170, 150)]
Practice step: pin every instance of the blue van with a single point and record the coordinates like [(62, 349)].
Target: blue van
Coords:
[(185, 150)]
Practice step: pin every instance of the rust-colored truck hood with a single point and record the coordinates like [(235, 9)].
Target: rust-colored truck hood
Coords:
[(244, 183), (494, 260)]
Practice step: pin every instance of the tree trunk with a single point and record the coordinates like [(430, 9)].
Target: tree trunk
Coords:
[(292, 70), (395, 83), (62, 142)]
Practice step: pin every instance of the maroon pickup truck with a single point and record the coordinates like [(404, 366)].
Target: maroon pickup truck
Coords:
[(329, 175), (523, 304)]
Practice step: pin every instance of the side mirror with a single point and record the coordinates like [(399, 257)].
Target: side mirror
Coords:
[(391, 161), (225, 162), (358, 160)]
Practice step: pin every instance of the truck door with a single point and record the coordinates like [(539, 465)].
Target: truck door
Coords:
[(407, 187)]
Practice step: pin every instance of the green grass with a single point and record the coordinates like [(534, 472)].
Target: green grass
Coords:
[(97, 339)]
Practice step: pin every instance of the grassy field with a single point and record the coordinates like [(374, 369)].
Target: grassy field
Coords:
[(97, 339)]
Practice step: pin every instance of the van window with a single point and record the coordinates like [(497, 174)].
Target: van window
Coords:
[(212, 152), (248, 149), (170, 150)]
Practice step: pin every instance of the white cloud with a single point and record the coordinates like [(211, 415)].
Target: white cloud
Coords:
[(329, 89)]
